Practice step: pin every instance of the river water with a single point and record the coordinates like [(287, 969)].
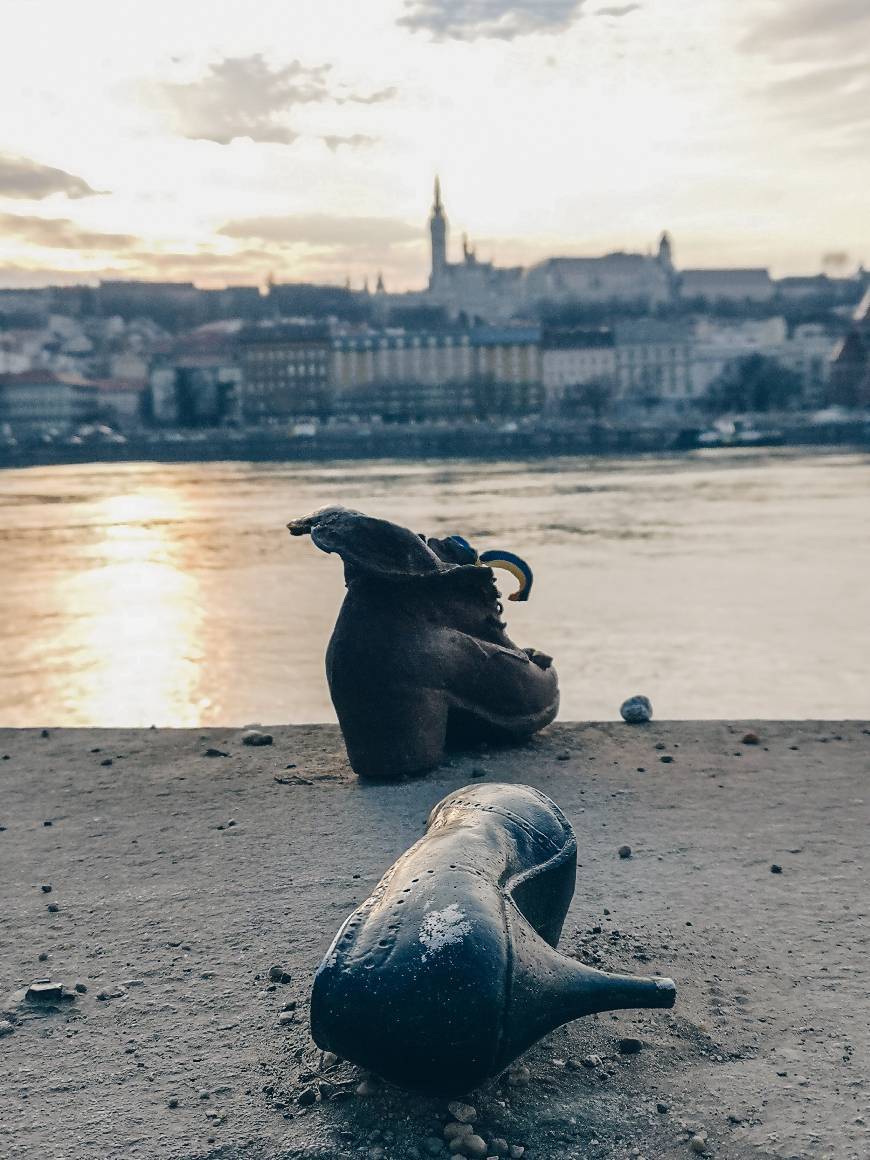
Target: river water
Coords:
[(722, 584)]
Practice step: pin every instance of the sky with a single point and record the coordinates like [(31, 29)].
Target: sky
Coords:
[(221, 142)]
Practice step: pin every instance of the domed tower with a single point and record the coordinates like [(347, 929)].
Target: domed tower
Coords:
[(438, 232)]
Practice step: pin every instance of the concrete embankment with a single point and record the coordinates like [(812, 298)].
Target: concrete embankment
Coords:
[(168, 883)]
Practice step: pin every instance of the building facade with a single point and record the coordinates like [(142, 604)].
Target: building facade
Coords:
[(285, 371)]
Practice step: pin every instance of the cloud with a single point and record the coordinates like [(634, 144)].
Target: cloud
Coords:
[(354, 141), (821, 54), (809, 28), (244, 96), (617, 10), (61, 234), (495, 19), (322, 230), (22, 178), (374, 98)]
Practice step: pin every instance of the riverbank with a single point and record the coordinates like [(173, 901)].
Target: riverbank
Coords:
[(178, 879), (418, 441)]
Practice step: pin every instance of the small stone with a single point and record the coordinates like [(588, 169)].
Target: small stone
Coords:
[(629, 1046), (432, 1146), (328, 1060), (204, 1094), (376, 1153), (636, 710), (43, 956), (776, 868), (453, 1130), (53, 907), (478, 771), (367, 1088), (306, 1098), (48, 822), (517, 1151), (660, 745), (172, 1102), (591, 1061), (662, 1109), (45, 888), (464, 1113), (750, 739), (519, 1075), (499, 1146), (286, 1018), (107, 761), (256, 737), (624, 851), (666, 759), (563, 755), (474, 1145), (698, 1143), (290, 1005), (279, 975), (6, 1028), (215, 753)]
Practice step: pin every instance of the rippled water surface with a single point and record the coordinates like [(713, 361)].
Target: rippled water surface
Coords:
[(721, 585)]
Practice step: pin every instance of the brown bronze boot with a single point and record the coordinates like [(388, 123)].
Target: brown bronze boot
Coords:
[(419, 657)]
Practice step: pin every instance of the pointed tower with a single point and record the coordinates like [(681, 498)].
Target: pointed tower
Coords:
[(438, 232), (666, 252)]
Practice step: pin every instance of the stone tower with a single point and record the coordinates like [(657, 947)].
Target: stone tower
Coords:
[(666, 252), (438, 232)]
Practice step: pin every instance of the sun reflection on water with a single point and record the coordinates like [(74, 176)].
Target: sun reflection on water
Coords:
[(136, 615)]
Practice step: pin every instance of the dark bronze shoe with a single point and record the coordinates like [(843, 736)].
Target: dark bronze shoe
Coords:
[(449, 971), (419, 657)]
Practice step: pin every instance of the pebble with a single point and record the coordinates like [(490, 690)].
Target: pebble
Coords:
[(256, 737), (698, 1143), (453, 1130), (279, 975), (45, 733), (329, 1058), (367, 1088), (6, 1028), (629, 1046), (750, 739), (464, 1113), (474, 1145), (286, 1018), (43, 956), (662, 1109), (172, 1102), (376, 1153), (519, 1076), (306, 1098), (499, 1146), (432, 1146), (624, 851), (204, 1094), (776, 868), (215, 753), (46, 888), (666, 759), (53, 907), (107, 761), (636, 710), (591, 1061), (517, 1151), (478, 771), (564, 755)]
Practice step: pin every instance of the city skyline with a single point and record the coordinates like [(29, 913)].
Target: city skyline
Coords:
[(217, 143)]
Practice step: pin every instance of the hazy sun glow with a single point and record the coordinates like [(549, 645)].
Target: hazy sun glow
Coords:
[(217, 141)]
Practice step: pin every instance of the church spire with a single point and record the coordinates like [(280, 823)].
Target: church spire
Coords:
[(438, 234)]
